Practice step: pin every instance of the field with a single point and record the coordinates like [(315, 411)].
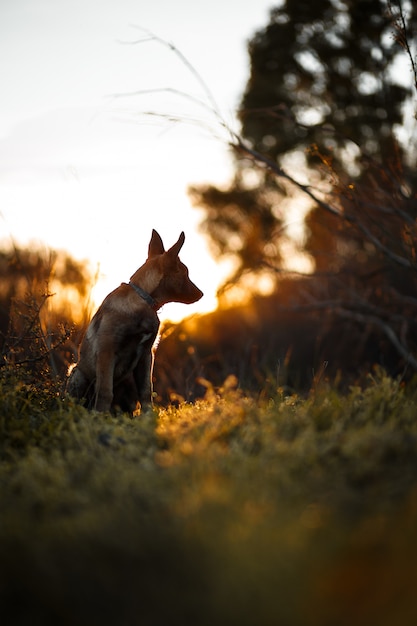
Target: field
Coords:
[(273, 511)]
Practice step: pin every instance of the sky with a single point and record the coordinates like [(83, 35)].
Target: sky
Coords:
[(102, 132)]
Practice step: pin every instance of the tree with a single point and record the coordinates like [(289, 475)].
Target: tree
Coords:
[(323, 64), (323, 95), (321, 92)]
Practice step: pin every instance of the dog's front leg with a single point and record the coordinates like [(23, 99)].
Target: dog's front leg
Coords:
[(143, 380), (104, 381)]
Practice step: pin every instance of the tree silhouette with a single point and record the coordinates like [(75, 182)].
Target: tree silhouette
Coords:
[(323, 64), (321, 114), (321, 99)]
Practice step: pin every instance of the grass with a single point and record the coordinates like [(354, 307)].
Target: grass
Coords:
[(232, 510)]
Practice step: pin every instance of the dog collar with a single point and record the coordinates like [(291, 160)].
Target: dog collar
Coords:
[(144, 294)]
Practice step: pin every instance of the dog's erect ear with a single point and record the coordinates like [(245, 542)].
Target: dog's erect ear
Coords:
[(155, 245), (175, 250)]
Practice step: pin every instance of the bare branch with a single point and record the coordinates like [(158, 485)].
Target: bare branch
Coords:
[(176, 92), (353, 312), (278, 171), (150, 36), (238, 144), (400, 25), (386, 328)]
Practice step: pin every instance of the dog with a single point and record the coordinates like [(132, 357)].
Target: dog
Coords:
[(115, 365)]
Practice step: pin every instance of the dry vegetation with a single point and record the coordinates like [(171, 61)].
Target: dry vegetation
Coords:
[(227, 511)]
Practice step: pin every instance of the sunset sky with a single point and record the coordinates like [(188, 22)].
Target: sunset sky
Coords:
[(83, 167)]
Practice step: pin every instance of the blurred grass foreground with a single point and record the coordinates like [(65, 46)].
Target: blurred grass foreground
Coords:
[(232, 510)]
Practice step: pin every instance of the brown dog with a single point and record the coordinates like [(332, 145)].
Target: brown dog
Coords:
[(116, 359)]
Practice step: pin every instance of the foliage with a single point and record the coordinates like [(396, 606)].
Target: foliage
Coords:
[(324, 64), (267, 342), (40, 300), (321, 86), (229, 511), (323, 101)]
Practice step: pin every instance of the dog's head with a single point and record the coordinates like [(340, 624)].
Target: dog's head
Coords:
[(165, 276)]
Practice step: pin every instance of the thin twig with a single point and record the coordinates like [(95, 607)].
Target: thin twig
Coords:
[(402, 38), (278, 171), (386, 328), (150, 36)]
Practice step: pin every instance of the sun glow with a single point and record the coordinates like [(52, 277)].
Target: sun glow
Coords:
[(92, 174), (104, 215)]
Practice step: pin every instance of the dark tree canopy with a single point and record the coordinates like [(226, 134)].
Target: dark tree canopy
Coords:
[(323, 63), (330, 87), (322, 86)]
